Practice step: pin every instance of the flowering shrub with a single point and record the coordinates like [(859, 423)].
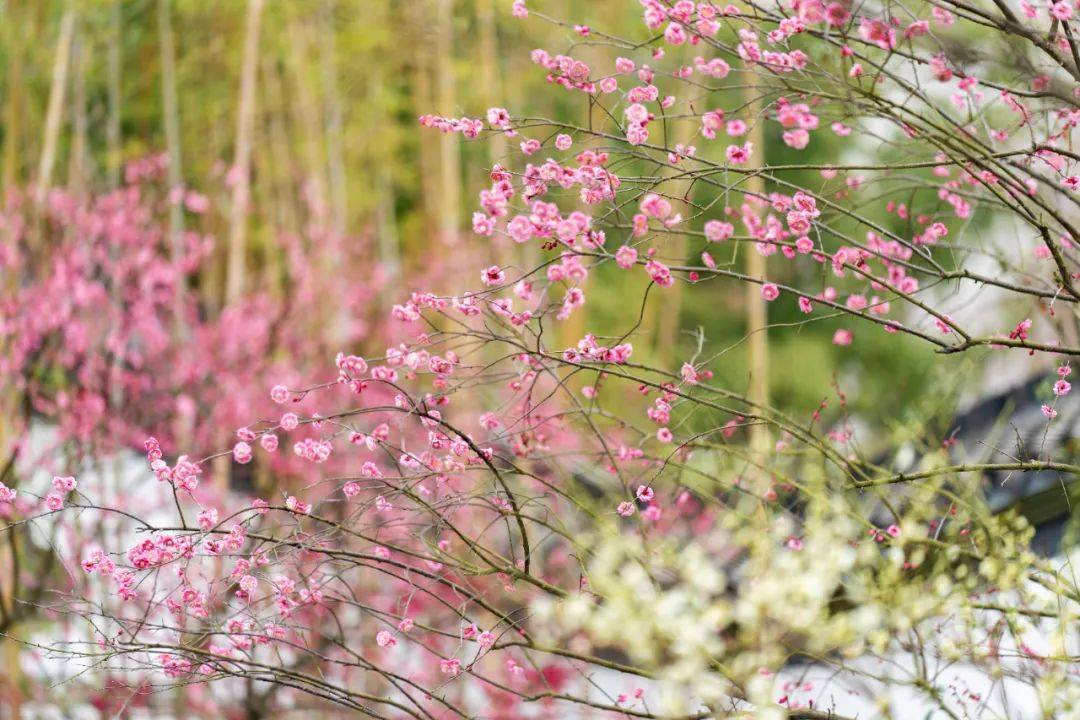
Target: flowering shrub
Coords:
[(499, 520), (105, 342)]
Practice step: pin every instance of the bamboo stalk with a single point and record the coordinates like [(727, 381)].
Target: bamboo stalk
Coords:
[(669, 304), (491, 88), (449, 143), (171, 121), (79, 158), (14, 107), (55, 111), (491, 96), (308, 120), (387, 240), (112, 125), (756, 309), (282, 162), (335, 146), (241, 194), (416, 15)]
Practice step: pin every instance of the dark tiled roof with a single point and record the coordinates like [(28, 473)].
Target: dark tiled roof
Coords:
[(1011, 425)]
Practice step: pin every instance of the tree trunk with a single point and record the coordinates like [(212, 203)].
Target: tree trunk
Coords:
[(449, 143), (307, 116), (507, 251), (283, 168), (415, 17), (386, 232), (757, 316), (241, 191), (335, 146), (171, 121), (79, 158), (55, 111), (15, 107), (667, 308), (489, 77), (378, 150), (112, 125), (175, 179)]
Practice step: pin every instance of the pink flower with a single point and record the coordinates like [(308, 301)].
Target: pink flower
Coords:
[(711, 122), (242, 452), (660, 273), (296, 505), (207, 518), (637, 134), (54, 501), (1049, 412), (279, 394), (770, 292), (249, 584), (498, 118), (563, 141), (739, 155), (797, 138), (450, 666), (664, 435), (384, 639), (620, 353), (64, 484), (626, 508), (689, 374), (644, 493), (842, 337), (636, 113), (675, 34), (493, 276), (196, 203), (1020, 332), (715, 230), (1062, 387), (482, 224), (1061, 10), (655, 206), (942, 16), (520, 228)]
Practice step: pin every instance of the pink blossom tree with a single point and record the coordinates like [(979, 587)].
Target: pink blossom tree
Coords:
[(497, 519)]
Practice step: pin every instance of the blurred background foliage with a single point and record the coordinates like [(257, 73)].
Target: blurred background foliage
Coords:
[(335, 144)]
